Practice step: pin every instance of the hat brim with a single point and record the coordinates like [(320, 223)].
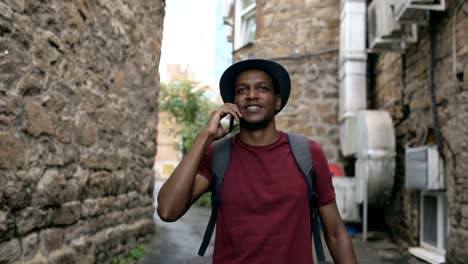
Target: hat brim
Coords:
[(278, 74)]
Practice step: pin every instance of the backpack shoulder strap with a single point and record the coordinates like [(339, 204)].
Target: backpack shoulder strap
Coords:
[(219, 164), (300, 149)]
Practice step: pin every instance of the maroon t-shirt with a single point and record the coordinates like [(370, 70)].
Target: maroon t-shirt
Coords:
[(264, 212)]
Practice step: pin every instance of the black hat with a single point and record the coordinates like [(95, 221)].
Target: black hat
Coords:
[(278, 74)]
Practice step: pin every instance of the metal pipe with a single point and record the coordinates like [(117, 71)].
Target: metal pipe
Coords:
[(454, 39), (435, 113), (302, 55), (364, 209)]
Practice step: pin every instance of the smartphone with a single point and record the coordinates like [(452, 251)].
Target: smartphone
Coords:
[(231, 124)]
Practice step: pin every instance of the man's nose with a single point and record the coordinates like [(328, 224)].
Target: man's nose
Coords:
[(252, 93)]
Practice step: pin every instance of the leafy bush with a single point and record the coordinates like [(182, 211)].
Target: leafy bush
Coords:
[(204, 200), (133, 256), (190, 107)]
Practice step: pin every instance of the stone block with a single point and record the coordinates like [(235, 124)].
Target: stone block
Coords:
[(121, 183), (146, 199), (63, 256), (30, 218), (39, 121), (49, 190), (50, 240), (143, 179), (30, 84), (22, 22), (6, 11), (464, 211), (38, 259), (87, 132), (7, 225), (100, 184), (330, 119), (67, 214), (105, 240), (12, 151), (72, 190), (62, 155), (83, 246), (94, 207), (65, 130), (86, 259), (47, 49), (101, 160), (325, 107), (464, 223), (10, 251), (456, 248), (17, 193), (29, 245), (142, 228), (81, 228)]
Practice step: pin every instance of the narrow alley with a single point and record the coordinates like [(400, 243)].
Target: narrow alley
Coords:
[(178, 243)]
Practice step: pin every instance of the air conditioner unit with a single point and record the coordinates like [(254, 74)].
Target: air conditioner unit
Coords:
[(424, 169), (384, 32), (416, 10)]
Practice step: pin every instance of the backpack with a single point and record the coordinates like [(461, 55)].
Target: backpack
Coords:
[(220, 161)]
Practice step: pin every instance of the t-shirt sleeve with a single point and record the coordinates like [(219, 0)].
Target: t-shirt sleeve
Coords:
[(204, 169), (323, 181)]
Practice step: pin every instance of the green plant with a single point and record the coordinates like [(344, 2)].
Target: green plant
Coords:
[(204, 200), (133, 256), (189, 106)]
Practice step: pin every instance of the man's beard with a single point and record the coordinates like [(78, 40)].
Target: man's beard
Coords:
[(255, 125)]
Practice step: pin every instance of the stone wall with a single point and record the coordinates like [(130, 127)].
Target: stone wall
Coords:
[(78, 112), (406, 95), (308, 48)]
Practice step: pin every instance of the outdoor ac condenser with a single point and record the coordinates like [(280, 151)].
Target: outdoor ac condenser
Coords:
[(424, 169), (384, 32), (416, 10)]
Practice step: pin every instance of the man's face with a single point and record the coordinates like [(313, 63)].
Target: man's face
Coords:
[(254, 95)]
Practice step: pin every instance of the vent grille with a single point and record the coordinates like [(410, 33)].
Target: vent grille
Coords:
[(424, 169), (416, 168)]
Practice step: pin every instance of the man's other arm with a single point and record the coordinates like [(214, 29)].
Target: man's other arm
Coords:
[(338, 240)]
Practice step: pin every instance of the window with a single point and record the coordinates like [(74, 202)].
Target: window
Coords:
[(245, 25), (434, 221)]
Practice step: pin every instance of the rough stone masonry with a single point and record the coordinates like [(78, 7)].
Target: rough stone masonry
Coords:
[(402, 87), (303, 36), (78, 112)]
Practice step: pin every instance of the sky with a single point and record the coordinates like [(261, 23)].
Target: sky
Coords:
[(190, 38)]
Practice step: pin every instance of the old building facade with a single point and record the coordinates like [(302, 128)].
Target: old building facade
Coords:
[(304, 36), (402, 86), (78, 113)]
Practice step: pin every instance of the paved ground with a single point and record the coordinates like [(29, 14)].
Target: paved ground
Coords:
[(178, 243)]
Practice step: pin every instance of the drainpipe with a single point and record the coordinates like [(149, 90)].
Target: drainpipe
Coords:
[(435, 113), (367, 135), (352, 70)]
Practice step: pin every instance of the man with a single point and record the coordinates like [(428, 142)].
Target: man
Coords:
[(264, 212)]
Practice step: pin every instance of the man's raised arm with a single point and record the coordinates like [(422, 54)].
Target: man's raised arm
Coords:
[(184, 186)]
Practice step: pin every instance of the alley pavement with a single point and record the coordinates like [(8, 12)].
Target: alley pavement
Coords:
[(178, 243)]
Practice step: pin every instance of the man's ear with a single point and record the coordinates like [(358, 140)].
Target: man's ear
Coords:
[(278, 102)]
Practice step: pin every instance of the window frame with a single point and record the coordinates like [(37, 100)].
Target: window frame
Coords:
[(242, 16), (442, 222)]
